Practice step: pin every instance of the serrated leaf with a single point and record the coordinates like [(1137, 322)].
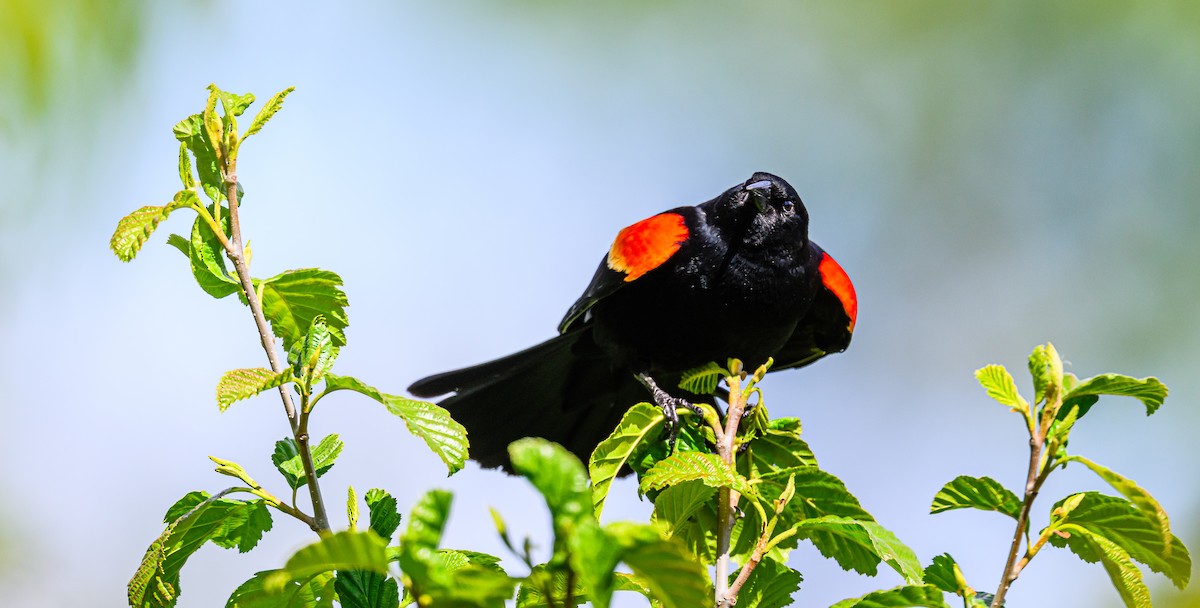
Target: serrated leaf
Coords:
[(363, 589), (428, 421), (1125, 575), (702, 380), (316, 592), (770, 585), (239, 384), (546, 587), (384, 515), (593, 557), (426, 521), (1140, 498), (345, 550), (559, 476), (323, 456), (292, 299), (665, 567), (1000, 386), (907, 596), (313, 356), (192, 521), (940, 573), (709, 469), (183, 245), (1121, 522), (1149, 391), (268, 110), (868, 537), (185, 168), (213, 125), (190, 131), (982, 493), (208, 261), (285, 451), (1040, 368), (640, 422), (675, 505), (777, 448), (134, 229)]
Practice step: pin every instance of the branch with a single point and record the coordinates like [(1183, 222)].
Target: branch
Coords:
[(235, 251), (727, 499), (1033, 484)]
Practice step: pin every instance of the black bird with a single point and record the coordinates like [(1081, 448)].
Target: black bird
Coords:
[(736, 276)]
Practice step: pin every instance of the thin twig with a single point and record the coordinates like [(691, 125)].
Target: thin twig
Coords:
[(1036, 476), (299, 424), (727, 499)]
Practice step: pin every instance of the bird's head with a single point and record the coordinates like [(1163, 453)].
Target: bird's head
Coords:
[(764, 211)]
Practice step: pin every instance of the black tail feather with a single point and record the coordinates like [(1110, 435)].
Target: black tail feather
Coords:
[(562, 389)]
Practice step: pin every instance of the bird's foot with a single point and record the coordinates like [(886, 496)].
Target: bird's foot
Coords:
[(670, 405)]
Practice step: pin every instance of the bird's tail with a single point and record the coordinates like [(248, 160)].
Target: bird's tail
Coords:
[(563, 389)]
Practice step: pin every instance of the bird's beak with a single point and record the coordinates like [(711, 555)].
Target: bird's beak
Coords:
[(760, 192)]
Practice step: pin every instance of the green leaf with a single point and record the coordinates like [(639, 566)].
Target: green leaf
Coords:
[(213, 125), (1125, 575), (192, 521), (593, 556), (665, 567), (868, 537), (770, 585), (1043, 362), (976, 492), (559, 476), (676, 505), (448, 578), (237, 104), (687, 466), (546, 587), (1149, 391), (285, 452), (268, 110), (287, 459), (183, 245), (385, 517), (433, 424), (703, 380), (208, 261), (364, 589), (292, 299), (345, 550), (640, 422), (312, 357), (778, 448), (1124, 524), (426, 521), (1136, 495), (1000, 386), (316, 592), (185, 168), (190, 131), (940, 573), (899, 597), (241, 384)]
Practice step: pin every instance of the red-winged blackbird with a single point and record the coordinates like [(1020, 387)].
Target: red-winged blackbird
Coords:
[(736, 276)]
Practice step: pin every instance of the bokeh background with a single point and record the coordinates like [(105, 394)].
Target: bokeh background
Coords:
[(993, 175)]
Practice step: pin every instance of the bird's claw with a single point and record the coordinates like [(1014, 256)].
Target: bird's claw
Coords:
[(670, 407)]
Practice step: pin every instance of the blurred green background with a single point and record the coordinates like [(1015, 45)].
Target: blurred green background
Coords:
[(992, 175)]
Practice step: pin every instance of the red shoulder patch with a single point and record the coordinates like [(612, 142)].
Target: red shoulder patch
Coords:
[(644, 246), (836, 281)]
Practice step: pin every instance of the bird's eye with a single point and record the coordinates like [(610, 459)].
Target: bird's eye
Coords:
[(789, 206)]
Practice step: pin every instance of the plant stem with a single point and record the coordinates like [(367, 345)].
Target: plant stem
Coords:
[(727, 499), (233, 248), (1036, 476)]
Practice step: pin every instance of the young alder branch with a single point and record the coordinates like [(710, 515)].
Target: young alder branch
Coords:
[(727, 499), (1036, 476), (299, 424)]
